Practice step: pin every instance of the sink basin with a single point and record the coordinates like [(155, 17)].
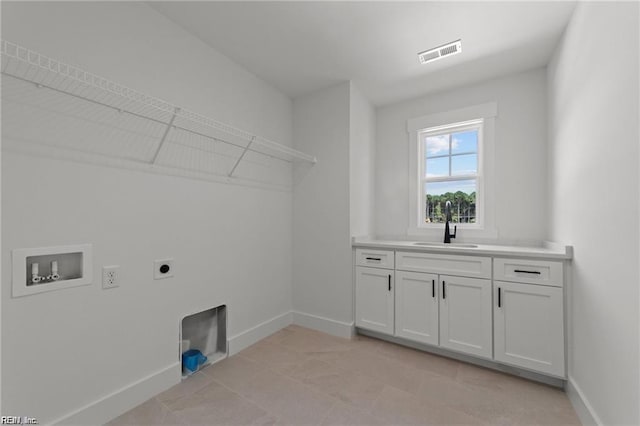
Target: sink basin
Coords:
[(460, 245)]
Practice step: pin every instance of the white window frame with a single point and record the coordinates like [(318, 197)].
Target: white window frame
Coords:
[(448, 129), (485, 227)]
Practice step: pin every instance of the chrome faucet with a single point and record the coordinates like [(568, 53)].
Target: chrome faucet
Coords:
[(447, 213)]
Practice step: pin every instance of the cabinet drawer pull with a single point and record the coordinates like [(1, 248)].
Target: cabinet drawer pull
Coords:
[(374, 258), (389, 282), (444, 292), (433, 288), (499, 297), (526, 272)]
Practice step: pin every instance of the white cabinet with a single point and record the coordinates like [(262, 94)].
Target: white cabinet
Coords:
[(374, 299), (529, 326), (465, 315), (509, 310), (416, 306)]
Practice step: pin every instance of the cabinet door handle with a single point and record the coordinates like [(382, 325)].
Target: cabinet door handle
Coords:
[(522, 271), (374, 258), (444, 291), (389, 282), (499, 297), (433, 288)]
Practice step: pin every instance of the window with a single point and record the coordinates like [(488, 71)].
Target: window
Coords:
[(451, 157), (450, 170)]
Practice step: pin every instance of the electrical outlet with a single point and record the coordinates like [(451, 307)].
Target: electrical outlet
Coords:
[(162, 269), (110, 276)]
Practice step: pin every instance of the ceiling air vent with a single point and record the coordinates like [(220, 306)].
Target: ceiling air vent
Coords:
[(440, 52)]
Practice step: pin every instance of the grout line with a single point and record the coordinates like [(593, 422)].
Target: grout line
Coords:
[(248, 399)]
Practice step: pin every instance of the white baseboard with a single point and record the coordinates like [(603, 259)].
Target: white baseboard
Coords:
[(116, 403), (259, 332), (122, 400), (326, 325), (581, 404)]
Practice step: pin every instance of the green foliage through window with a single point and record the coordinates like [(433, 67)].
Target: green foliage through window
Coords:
[(463, 207)]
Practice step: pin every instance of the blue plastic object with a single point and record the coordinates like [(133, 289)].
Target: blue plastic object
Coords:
[(192, 360)]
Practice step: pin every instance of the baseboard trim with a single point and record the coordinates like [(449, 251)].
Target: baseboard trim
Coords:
[(259, 332), (124, 399), (581, 404), (326, 325)]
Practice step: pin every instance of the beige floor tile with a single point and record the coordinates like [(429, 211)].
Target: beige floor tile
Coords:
[(276, 357), (310, 343), (289, 400), (185, 388), (380, 368), (513, 389), (402, 408), (366, 343), (421, 360), (277, 337), (349, 387), (235, 371), (479, 403), (347, 415), (521, 401), (303, 377), (216, 405), (152, 412)]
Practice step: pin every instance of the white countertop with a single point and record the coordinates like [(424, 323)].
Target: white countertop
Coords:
[(549, 251)]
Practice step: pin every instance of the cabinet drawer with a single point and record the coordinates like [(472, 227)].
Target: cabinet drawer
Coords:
[(375, 258), (466, 266), (541, 272)]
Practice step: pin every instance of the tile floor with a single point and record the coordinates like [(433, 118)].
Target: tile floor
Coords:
[(299, 376)]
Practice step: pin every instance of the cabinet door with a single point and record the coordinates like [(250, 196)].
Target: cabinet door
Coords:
[(417, 306), (529, 326), (465, 315), (374, 299)]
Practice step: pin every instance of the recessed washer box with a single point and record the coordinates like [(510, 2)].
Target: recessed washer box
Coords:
[(36, 270)]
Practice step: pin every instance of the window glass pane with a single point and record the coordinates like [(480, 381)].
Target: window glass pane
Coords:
[(464, 142), (464, 164), (437, 167), (461, 193), (437, 145)]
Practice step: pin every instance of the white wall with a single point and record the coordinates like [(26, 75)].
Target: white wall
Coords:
[(321, 244), (520, 154), (362, 127), (593, 190), (333, 202), (231, 244)]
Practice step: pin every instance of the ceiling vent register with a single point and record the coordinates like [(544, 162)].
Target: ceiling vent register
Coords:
[(440, 52)]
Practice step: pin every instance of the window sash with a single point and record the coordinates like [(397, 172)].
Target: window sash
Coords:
[(450, 129)]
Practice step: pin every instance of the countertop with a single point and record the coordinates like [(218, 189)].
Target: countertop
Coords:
[(548, 251)]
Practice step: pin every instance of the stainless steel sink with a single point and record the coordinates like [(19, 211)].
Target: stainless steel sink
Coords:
[(453, 245)]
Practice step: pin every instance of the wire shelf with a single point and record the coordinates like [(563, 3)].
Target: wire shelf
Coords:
[(47, 102)]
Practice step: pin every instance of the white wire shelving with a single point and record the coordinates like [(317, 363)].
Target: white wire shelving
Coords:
[(54, 109)]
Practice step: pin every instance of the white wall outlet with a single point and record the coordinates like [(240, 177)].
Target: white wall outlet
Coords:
[(110, 276), (162, 269)]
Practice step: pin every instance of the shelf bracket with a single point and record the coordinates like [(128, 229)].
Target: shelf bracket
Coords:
[(164, 137), (246, 148)]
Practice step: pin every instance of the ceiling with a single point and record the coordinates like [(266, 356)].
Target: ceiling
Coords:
[(300, 47)]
